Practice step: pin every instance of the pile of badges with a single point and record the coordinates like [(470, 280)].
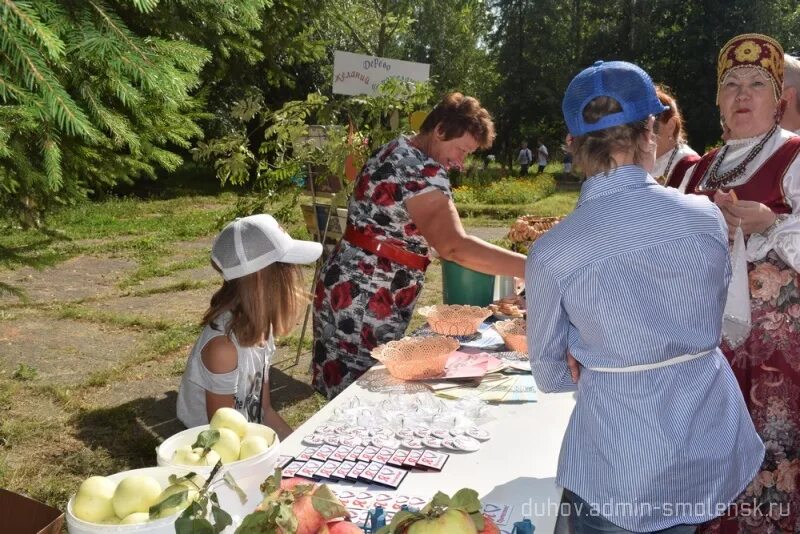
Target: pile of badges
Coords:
[(379, 443)]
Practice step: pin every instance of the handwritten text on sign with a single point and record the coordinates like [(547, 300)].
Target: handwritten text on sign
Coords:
[(358, 74)]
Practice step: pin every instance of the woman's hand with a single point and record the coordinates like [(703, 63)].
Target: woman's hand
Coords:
[(574, 367), (753, 217)]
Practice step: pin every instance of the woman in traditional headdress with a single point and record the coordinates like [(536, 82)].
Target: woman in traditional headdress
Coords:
[(754, 178)]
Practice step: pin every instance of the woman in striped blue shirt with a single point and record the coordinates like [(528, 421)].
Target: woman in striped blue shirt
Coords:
[(625, 307)]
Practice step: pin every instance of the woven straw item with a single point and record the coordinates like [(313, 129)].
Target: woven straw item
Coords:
[(454, 319), (514, 334), (415, 358), (529, 228)]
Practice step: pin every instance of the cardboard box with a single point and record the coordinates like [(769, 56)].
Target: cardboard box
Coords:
[(23, 515)]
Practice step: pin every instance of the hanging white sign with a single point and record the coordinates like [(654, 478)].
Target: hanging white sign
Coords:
[(358, 74)]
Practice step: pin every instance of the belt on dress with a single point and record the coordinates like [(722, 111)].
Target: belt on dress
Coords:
[(649, 366), (382, 249)]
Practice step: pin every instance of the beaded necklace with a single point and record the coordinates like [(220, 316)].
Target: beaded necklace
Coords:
[(664, 178), (712, 180)]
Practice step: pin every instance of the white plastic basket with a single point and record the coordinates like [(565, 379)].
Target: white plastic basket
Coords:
[(248, 473), (158, 526)]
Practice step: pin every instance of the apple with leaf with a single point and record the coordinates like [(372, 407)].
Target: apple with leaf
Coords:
[(460, 514)]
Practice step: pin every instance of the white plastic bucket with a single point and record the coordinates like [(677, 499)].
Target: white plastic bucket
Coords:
[(248, 473), (159, 526)]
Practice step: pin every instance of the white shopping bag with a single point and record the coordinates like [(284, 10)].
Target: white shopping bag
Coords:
[(736, 320)]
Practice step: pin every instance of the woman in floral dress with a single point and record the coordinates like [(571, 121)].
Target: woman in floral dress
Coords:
[(401, 208), (759, 164)]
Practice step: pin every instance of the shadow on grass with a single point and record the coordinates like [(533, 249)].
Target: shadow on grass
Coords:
[(130, 432), (37, 254), (287, 390)]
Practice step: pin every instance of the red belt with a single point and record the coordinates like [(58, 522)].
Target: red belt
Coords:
[(382, 249)]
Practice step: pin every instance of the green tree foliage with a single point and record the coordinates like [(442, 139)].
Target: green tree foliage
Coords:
[(538, 45), (85, 102), (317, 133), (450, 35)]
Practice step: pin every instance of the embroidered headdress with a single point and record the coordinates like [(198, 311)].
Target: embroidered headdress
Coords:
[(752, 50)]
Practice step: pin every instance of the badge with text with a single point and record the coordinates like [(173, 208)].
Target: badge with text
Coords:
[(432, 460)]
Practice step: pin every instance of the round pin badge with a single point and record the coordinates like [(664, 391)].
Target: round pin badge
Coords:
[(466, 443), (432, 443), (422, 432), (478, 433), (412, 443), (350, 441), (313, 439), (441, 434), (383, 441), (405, 433), (332, 439)]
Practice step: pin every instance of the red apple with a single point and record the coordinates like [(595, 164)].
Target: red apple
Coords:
[(344, 527), (489, 526)]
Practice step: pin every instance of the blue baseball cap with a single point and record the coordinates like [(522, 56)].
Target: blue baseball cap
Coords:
[(625, 82)]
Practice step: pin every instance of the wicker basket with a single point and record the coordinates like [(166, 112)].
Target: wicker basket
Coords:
[(514, 334), (416, 358), (529, 228), (454, 319)]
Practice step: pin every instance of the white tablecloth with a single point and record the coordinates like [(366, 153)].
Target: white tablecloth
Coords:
[(516, 467)]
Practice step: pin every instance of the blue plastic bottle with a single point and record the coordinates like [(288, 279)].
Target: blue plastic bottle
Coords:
[(523, 527)]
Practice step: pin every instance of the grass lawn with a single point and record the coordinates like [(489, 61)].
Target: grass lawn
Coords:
[(97, 315)]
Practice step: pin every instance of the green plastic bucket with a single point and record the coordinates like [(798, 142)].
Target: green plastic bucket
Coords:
[(465, 286)]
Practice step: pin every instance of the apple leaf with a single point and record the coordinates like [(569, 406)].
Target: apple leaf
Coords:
[(232, 484), (188, 478), (466, 499), (477, 519), (440, 500), (221, 518), (206, 439), (193, 525), (285, 518), (174, 500), (400, 520), (273, 482), (327, 504), (256, 523)]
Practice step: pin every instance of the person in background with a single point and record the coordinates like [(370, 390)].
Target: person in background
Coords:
[(791, 94), (541, 156), (673, 155), (625, 302), (401, 208), (567, 161), (754, 178), (525, 157), (260, 298)]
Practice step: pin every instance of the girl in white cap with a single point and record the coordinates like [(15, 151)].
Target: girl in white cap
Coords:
[(260, 298)]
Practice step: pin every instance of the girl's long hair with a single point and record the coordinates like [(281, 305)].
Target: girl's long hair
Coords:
[(263, 303)]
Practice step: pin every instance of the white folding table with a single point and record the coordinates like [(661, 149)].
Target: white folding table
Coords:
[(516, 467)]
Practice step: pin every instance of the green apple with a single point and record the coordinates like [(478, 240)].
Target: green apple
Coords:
[(230, 419), (452, 521), (211, 458), (135, 518), (93, 501), (191, 495), (228, 445), (254, 429), (252, 445), (187, 456), (135, 493)]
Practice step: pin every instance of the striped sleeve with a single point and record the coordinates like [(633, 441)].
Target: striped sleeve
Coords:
[(548, 328)]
